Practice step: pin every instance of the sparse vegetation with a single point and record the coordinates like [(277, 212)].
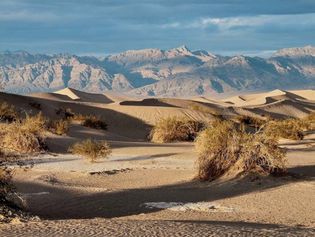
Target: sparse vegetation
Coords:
[(92, 121), (251, 121), (35, 105), (23, 136), (288, 128), (6, 186), (310, 119), (65, 113), (59, 127), (175, 129), (92, 150), (222, 147), (8, 112)]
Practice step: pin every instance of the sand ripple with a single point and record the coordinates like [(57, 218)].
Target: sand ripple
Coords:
[(101, 227)]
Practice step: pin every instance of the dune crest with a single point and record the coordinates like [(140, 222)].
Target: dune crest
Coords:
[(83, 96)]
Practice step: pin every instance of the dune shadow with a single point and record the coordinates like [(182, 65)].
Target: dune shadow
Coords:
[(147, 102), (66, 204)]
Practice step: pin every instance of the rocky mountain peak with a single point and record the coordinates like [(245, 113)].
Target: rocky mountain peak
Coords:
[(296, 52)]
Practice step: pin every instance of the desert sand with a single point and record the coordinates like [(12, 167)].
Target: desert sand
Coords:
[(147, 189)]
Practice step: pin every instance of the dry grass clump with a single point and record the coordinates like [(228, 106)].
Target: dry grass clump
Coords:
[(92, 150), (175, 129), (23, 136), (250, 121), (310, 119), (65, 113), (222, 147), (288, 128), (59, 127), (36, 105), (92, 121), (6, 186), (7, 112)]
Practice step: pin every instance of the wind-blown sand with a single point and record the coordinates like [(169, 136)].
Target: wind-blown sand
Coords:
[(128, 193)]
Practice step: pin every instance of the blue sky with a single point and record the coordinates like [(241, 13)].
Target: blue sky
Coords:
[(99, 27)]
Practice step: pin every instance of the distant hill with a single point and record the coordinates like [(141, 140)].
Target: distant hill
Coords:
[(156, 72)]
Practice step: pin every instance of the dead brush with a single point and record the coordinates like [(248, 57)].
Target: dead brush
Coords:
[(59, 127), (310, 119), (23, 136), (251, 121), (93, 121), (92, 150), (222, 147), (175, 129), (288, 128), (6, 186), (8, 112)]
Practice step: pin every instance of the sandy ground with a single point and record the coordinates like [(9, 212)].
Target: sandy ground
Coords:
[(75, 198), (146, 189)]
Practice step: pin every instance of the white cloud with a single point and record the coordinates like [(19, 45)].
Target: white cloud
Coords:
[(227, 23)]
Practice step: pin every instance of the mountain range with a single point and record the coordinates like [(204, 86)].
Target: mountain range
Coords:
[(177, 72)]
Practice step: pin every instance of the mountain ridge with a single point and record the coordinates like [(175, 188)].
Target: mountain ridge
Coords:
[(155, 72)]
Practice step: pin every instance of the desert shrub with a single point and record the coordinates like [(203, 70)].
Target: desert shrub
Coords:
[(91, 149), (175, 129), (65, 113), (222, 147), (79, 117), (310, 120), (288, 128), (92, 121), (21, 141), (35, 105), (59, 127), (23, 136), (34, 124), (6, 185), (7, 112), (250, 121)]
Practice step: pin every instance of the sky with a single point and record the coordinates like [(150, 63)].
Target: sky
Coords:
[(102, 27)]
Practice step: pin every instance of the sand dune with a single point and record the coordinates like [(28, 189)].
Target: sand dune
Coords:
[(84, 96), (277, 103), (126, 116), (306, 94), (110, 197)]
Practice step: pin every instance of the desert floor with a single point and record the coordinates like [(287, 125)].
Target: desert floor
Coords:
[(112, 197), (146, 189)]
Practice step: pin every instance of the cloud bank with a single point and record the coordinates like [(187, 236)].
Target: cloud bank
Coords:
[(109, 26)]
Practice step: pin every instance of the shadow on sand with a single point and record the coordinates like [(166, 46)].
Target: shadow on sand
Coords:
[(64, 203)]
